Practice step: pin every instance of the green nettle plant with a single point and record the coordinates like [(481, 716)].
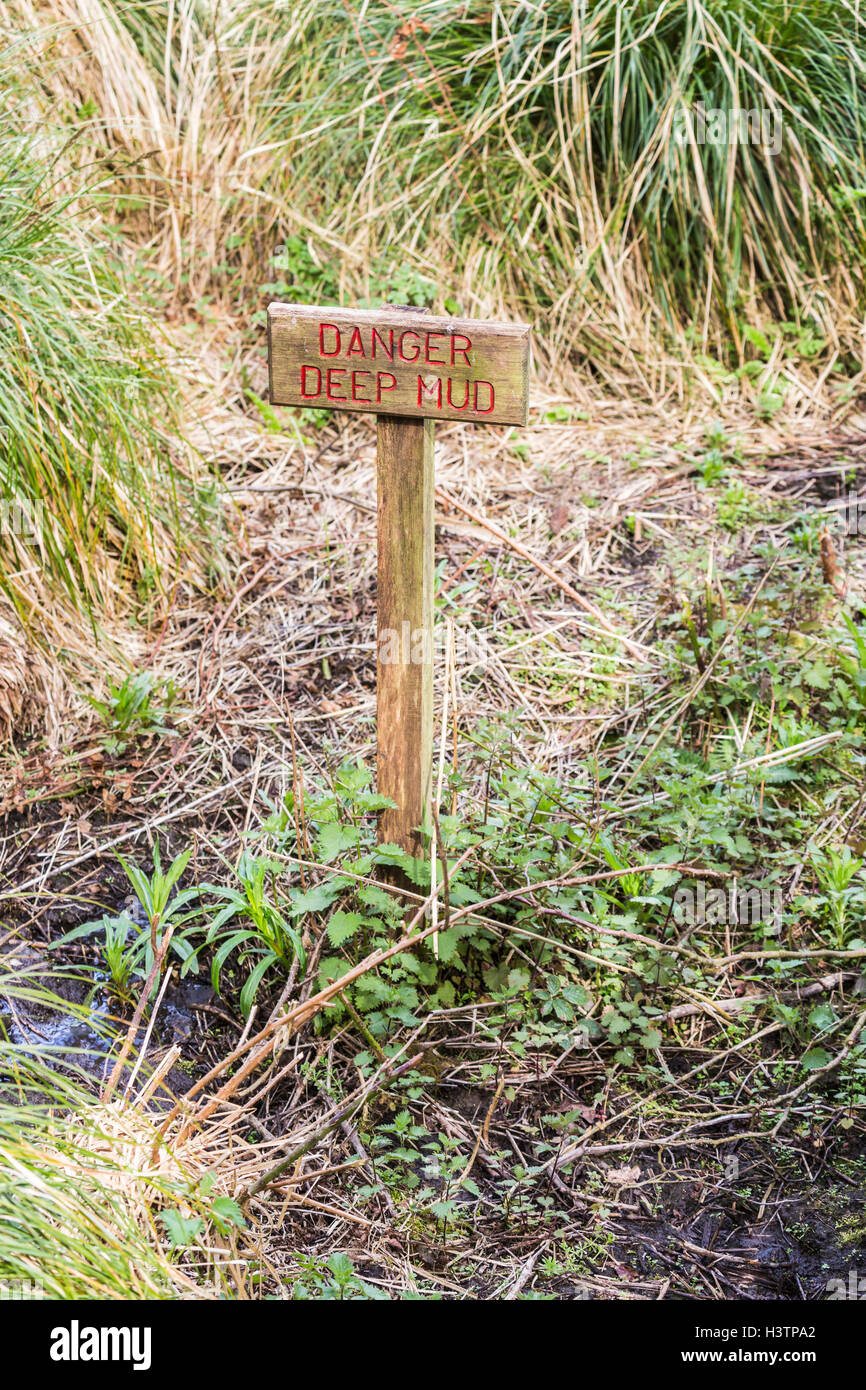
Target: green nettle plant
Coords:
[(335, 1280)]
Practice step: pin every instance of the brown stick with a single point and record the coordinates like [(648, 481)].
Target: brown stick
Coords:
[(745, 1001), (333, 1120)]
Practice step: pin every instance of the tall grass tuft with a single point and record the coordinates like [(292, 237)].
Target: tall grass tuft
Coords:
[(76, 1221), (93, 1204), (85, 469), (541, 160), (552, 157)]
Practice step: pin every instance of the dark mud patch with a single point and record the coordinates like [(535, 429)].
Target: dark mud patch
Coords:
[(755, 1226)]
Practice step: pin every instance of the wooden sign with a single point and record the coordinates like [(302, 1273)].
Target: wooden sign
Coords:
[(401, 362), (383, 360)]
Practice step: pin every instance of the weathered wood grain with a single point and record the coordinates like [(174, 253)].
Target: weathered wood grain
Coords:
[(396, 362), (404, 671)]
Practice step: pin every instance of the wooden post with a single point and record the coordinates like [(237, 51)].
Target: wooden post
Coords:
[(404, 671), (409, 368)]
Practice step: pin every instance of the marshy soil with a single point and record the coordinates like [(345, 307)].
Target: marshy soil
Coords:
[(648, 1217), (759, 1221)]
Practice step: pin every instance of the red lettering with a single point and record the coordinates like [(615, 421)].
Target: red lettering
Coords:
[(334, 329), (355, 347), (387, 348), (466, 345), (483, 409), (454, 404), (381, 385), (407, 357), (329, 390), (428, 343), (355, 395), (304, 370), (434, 391)]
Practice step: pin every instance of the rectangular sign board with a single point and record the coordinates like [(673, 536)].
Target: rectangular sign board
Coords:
[(395, 361)]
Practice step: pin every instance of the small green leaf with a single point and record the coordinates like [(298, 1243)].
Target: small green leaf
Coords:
[(341, 1267), (816, 1058), (663, 878), (226, 1210), (251, 984), (316, 899), (342, 926), (447, 946), (376, 897), (335, 839), (821, 1016), (442, 1210), (181, 1230), (616, 1025)]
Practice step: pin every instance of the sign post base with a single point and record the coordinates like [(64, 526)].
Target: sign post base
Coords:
[(404, 672)]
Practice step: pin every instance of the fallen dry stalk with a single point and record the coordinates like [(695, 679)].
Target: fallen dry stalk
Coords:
[(131, 1031), (388, 1072), (745, 1001)]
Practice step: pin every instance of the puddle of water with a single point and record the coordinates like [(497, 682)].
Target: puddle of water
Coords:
[(73, 1020)]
